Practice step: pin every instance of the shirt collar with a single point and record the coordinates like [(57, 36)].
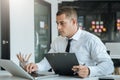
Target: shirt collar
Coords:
[(76, 36)]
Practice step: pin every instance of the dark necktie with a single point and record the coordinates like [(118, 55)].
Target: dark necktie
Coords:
[(68, 45)]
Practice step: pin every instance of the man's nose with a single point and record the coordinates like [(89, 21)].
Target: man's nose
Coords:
[(59, 26)]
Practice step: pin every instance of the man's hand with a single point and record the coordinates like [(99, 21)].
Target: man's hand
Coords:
[(31, 67), (23, 59), (81, 70)]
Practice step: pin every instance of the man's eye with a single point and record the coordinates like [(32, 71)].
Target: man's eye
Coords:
[(62, 23), (57, 23)]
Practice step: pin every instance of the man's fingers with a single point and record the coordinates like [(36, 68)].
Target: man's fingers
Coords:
[(27, 68), (81, 70), (19, 57), (77, 67), (74, 69), (31, 67)]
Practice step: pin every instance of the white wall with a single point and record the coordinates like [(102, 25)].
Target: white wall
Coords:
[(21, 28)]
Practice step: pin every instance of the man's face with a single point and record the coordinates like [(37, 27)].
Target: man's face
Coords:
[(65, 26)]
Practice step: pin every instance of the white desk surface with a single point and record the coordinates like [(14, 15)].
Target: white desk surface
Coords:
[(4, 75)]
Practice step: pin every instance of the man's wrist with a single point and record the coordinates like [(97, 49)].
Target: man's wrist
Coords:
[(88, 71)]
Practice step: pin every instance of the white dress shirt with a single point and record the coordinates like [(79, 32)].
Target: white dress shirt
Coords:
[(89, 50)]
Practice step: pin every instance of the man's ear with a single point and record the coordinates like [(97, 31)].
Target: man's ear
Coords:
[(74, 20)]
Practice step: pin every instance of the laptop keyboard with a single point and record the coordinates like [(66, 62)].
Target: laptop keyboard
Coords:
[(34, 74)]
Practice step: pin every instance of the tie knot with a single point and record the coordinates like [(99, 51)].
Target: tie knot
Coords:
[(69, 40)]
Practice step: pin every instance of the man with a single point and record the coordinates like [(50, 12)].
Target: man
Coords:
[(88, 48)]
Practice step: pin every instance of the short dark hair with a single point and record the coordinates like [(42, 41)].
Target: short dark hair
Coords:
[(68, 11)]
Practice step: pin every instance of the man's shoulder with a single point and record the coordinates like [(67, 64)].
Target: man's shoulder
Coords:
[(89, 35)]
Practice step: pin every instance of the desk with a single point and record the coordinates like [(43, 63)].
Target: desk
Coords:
[(4, 75)]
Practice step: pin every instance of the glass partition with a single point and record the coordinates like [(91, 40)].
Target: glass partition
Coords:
[(0, 29), (42, 20)]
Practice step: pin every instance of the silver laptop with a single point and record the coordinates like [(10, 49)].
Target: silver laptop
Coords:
[(16, 70)]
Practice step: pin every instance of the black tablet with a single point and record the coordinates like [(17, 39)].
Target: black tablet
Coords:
[(62, 63)]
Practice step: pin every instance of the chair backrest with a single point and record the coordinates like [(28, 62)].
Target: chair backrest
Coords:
[(114, 48)]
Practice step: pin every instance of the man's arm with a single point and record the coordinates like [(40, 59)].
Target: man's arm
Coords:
[(99, 55)]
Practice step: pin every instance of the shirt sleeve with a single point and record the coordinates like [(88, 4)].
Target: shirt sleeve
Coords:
[(104, 64), (43, 65)]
